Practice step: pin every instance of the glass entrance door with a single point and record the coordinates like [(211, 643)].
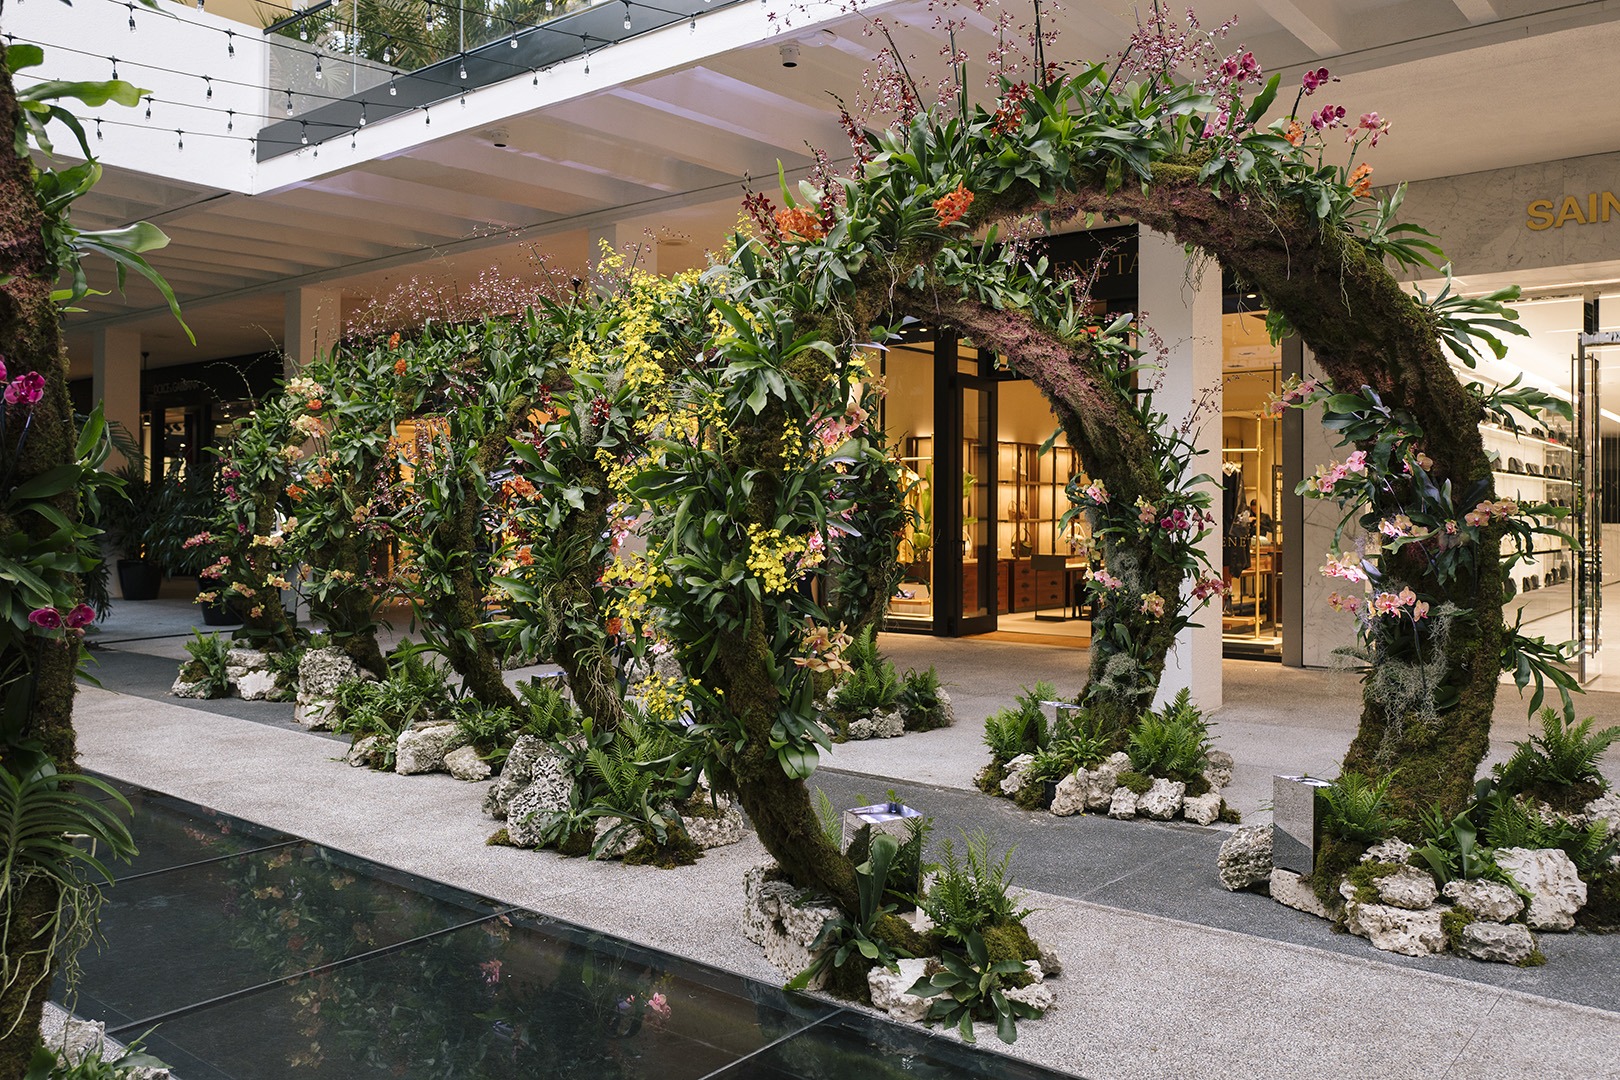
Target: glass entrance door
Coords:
[(974, 536), (1588, 524)]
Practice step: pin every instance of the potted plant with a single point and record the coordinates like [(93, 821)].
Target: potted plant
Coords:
[(130, 520), (180, 545)]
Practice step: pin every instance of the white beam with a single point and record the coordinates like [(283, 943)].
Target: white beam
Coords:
[(1479, 11), (1317, 24)]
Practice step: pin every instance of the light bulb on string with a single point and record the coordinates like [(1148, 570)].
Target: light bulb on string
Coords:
[(388, 50), (230, 43), (98, 129), (131, 18), (587, 63), (289, 101), (393, 91), (208, 81), (303, 32), (461, 71), (230, 120), (149, 106), (464, 99), (253, 147), (180, 141), (318, 73), (692, 27), (199, 5), (362, 114), (115, 68), (512, 42), (427, 117), (536, 74), (303, 132), (354, 138), (627, 14), (549, 6)]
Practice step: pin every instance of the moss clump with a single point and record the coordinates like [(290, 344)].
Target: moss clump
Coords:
[(1335, 857), (1197, 785), (500, 838), (678, 850), (1365, 877), (1010, 941), (990, 777), (1602, 910), (578, 844), (1229, 814), (1535, 959), (1452, 922), (1137, 782), (1034, 795), (848, 980)]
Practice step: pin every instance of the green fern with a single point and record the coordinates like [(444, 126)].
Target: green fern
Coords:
[(1358, 809), (207, 663), (1173, 743), (1022, 728), (1564, 755), (972, 890)]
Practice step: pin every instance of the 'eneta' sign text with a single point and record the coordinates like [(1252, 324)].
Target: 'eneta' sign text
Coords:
[(1597, 206)]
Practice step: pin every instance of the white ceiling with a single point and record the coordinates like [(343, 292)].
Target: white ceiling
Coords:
[(1471, 85)]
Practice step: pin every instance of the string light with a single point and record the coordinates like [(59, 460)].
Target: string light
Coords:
[(289, 101), (464, 99), (354, 138), (230, 43), (199, 5), (230, 119), (461, 70), (114, 60), (388, 49), (362, 114), (693, 26), (512, 43), (627, 14), (393, 91), (427, 117), (318, 73), (180, 136), (131, 18), (587, 63), (149, 106), (536, 75), (208, 81), (303, 132), (253, 147), (98, 129)]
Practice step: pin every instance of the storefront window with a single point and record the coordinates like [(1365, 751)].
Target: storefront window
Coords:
[(1251, 489), (908, 422)]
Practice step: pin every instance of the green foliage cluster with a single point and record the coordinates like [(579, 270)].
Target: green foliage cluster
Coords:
[(972, 889), (970, 986), (847, 937), (1358, 809), (909, 866), (920, 701), (870, 686), (1173, 744), (416, 690), (207, 664), (1022, 727), (49, 1064), (1559, 766)]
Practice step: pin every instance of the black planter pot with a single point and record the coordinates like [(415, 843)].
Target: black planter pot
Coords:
[(138, 579)]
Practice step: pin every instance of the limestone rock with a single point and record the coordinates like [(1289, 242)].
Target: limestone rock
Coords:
[(1050, 963), (620, 846), (315, 714), (182, 688), (1394, 850), (783, 921), (465, 764), (550, 788), (880, 725), (1123, 804), (256, 685), (1104, 779), (516, 773), (1245, 857), (362, 752), (889, 988), (1218, 769), (240, 660), (1408, 888), (422, 747), (1556, 889), (1290, 890), (1016, 774), (713, 832), (1606, 809), (1070, 796), (1036, 995), (1397, 930), (1202, 809), (1488, 901), (1163, 800), (322, 671), (1502, 944)]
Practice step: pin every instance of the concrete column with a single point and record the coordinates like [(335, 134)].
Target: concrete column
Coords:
[(1181, 300), (313, 324), (116, 383), (1311, 629)]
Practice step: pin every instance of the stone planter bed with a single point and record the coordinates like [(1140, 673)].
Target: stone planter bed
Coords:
[(1398, 907), (1099, 790)]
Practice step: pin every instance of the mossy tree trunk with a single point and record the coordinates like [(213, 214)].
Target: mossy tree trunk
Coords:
[(1364, 330), (1114, 446), (30, 340), (459, 614), (576, 602)]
